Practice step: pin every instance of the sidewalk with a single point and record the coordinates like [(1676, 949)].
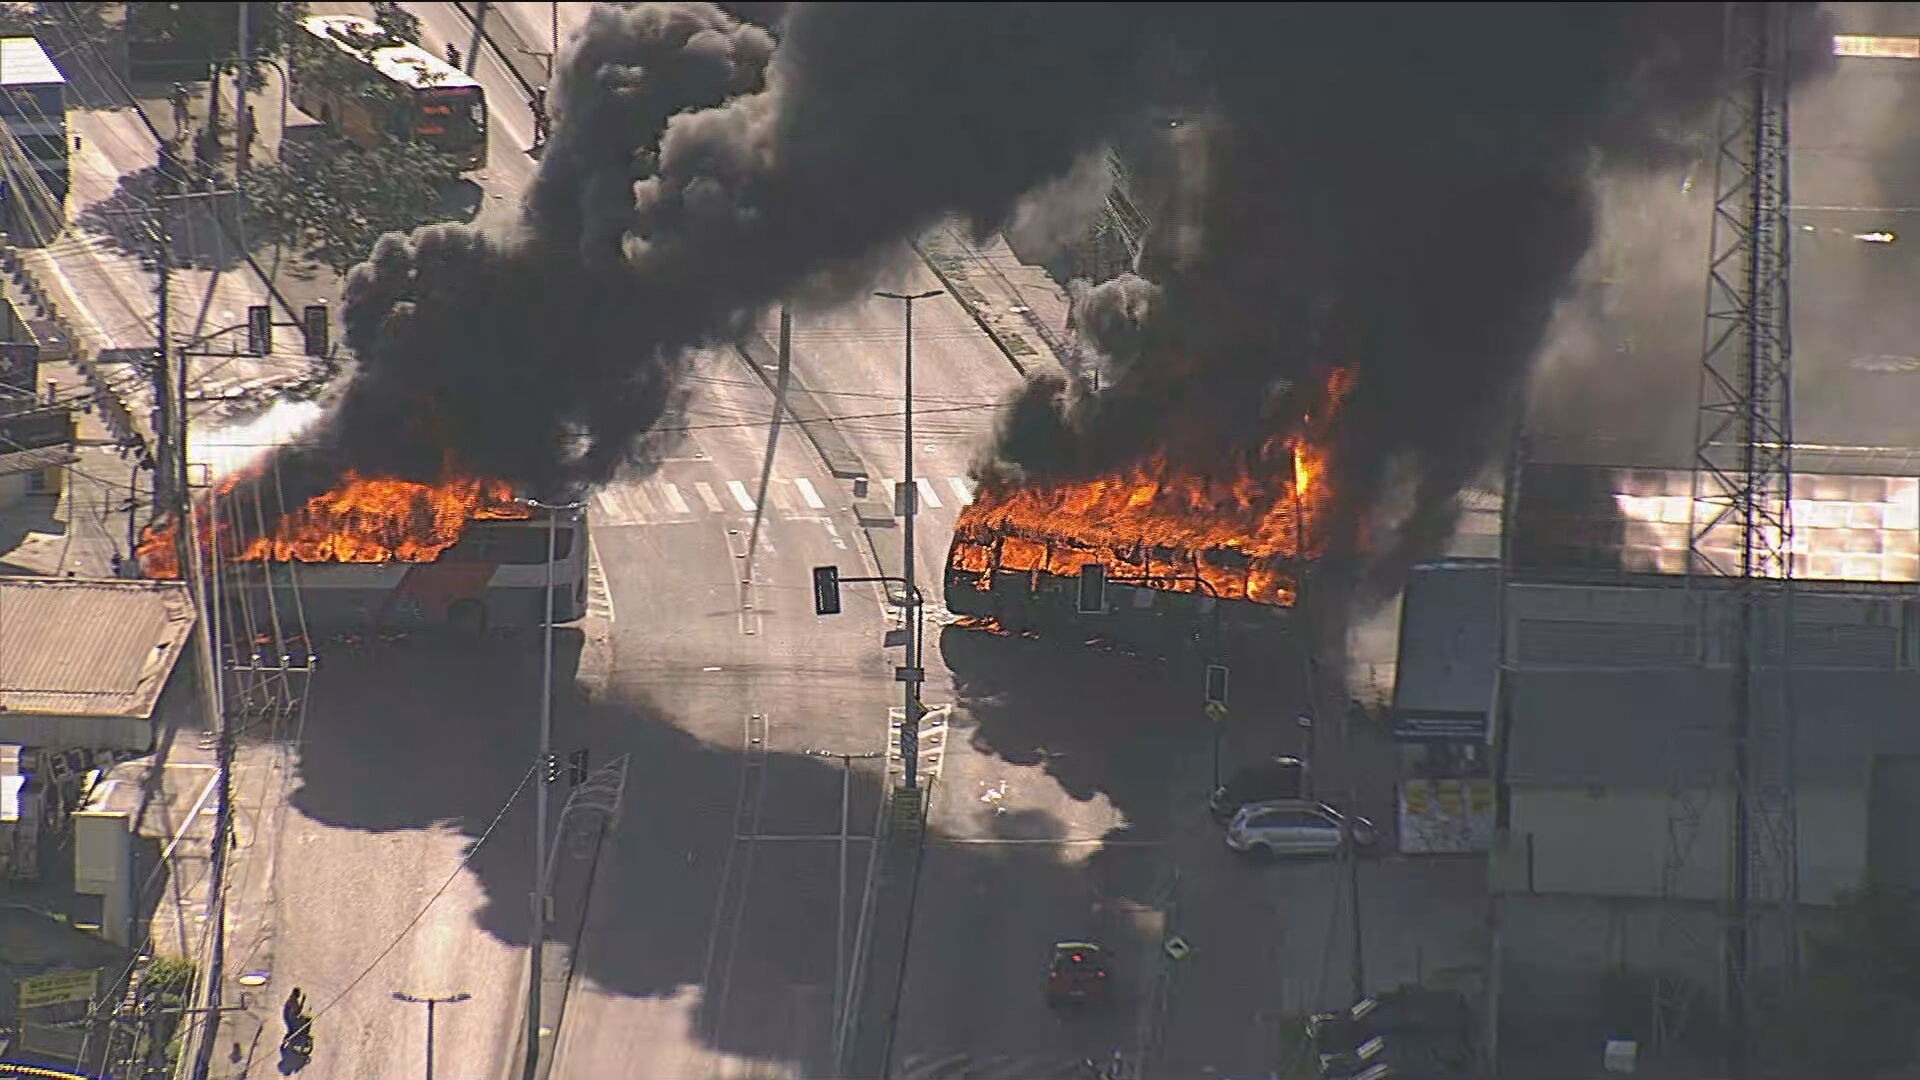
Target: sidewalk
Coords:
[(96, 284)]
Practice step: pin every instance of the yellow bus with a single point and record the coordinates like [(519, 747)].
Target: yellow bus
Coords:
[(375, 89)]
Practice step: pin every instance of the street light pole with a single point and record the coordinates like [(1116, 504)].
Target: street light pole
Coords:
[(840, 965), (537, 939), (912, 673), (430, 1003)]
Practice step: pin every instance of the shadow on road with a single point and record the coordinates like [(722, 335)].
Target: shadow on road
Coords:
[(201, 229), (426, 734)]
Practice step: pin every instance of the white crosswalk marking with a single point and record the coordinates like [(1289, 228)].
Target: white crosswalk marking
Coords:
[(806, 492), (927, 495), (610, 510), (637, 493), (637, 502)]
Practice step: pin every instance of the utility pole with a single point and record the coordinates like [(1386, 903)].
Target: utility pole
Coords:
[(242, 119), (1742, 513), (906, 502), (431, 1003), (840, 960), (479, 34), (1357, 968), (162, 416), (536, 941)]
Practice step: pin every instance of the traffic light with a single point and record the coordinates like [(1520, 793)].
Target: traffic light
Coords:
[(826, 590), (1216, 684), (1092, 599), (316, 328), (553, 768), (577, 767), (260, 330)]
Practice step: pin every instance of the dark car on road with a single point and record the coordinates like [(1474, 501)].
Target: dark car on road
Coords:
[(1267, 781), (1078, 975)]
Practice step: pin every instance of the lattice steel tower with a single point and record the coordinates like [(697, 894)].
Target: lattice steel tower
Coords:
[(1740, 551)]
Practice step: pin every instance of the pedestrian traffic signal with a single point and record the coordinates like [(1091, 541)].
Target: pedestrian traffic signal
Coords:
[(826, 590), (316, 328), (577, 767), (553, 768), (1092, 599), (260, 330), (1217, 684)]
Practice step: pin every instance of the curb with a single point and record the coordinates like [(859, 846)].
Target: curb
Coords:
[(840, 457), (954, 269)]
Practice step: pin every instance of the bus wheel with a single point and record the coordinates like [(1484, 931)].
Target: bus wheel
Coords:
[(467, 618)]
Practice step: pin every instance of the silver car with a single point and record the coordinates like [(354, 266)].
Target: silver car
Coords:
[(1294, 827)]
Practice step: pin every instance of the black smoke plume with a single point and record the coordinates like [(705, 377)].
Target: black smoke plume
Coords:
[(1397, 189)]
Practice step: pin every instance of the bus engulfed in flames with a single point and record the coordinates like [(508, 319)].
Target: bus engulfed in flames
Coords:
[(362, 519), (1242, 530)]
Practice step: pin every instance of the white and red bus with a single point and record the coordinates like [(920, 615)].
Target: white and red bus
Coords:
[(493, 578), (374, 89)]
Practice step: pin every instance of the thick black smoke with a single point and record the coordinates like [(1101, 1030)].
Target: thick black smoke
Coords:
[(1397, 189), (1403, 191)]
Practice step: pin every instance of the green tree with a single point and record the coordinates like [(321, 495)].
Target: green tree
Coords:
[(1860, 1005), (331, 200), (213, 29), (396, 20)]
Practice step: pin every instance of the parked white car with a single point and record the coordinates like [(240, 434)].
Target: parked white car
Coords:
[(1294, 827)]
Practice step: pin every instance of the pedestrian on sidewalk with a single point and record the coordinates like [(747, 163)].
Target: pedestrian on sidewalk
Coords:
[(453, 54), (295, 1010), (248, 129), (178, 96), (541, 128)]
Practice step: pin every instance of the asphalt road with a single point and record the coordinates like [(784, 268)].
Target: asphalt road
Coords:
[(1068, 797)]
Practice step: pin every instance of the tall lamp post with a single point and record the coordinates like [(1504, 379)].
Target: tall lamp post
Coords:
[(537, 940), (911, 673), (430, 1003)]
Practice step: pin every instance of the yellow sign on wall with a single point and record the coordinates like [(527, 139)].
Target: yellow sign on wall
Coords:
[(57, 988)]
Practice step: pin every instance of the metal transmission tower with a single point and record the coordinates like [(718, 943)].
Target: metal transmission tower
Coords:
[(1742, 529)]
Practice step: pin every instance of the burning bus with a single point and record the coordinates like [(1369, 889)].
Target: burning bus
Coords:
[(1182, 547), (377, 554)]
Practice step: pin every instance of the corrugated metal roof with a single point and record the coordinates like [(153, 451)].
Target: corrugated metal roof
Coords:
[(24, 63), (72, 647), (1641, 729), (43, 457)]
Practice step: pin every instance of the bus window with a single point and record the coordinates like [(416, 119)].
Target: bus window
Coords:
[(453, 120), (527, 545)]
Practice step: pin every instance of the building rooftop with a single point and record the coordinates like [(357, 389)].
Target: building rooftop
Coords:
[(24, 63), (14, 462), (1449, 648), (1611, 521), (77, 647)]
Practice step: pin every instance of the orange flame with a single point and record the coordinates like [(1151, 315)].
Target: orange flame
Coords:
[(1236, 532), (363, 519)]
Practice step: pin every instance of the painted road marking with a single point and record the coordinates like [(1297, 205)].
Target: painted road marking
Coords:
[(637, 502), (638, 493), (609, 509)]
